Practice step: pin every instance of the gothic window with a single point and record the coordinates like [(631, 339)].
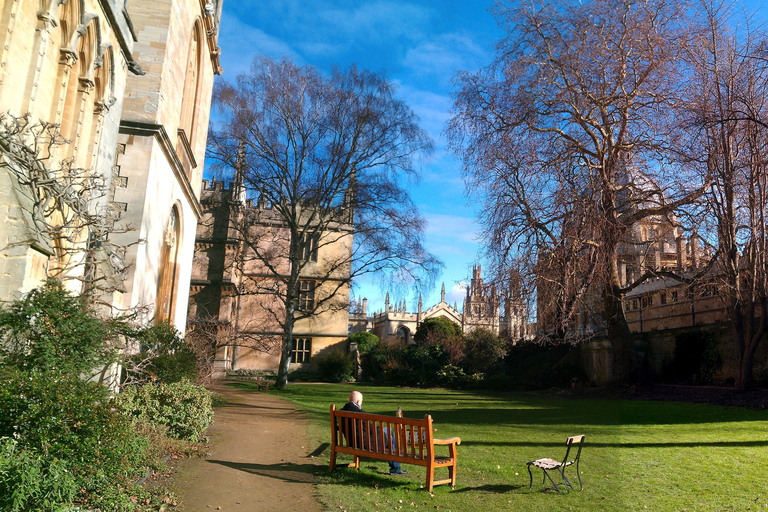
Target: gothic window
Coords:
[(306, 295), (191, 81), (674, 296), (663, 298), (309, 244), (166, 283), (301, 350), (402, 334)]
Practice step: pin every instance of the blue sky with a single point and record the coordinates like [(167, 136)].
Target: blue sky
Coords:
[(420, 45)]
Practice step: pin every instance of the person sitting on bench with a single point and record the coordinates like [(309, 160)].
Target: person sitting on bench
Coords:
[(355, 404)]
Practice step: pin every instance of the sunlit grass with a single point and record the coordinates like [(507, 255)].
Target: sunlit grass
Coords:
[(658, 456)]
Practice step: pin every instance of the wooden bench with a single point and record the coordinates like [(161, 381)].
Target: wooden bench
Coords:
[(361, 435), (260, 382)]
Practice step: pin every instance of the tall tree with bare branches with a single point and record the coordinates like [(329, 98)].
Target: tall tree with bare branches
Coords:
[(566, 137), (325, 158), (724, 126)]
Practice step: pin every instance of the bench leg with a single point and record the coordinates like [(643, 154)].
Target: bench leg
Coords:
[(430, 478), (333, 460), (452, 475), (357, 463)]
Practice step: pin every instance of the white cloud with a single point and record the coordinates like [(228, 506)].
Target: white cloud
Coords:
[(457, 293), (452, 228), (375, 21), (240, 43), (445, 55)]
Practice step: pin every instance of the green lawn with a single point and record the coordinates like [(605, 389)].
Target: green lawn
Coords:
[(657, 456)]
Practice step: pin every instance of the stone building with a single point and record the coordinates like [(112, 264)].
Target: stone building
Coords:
[(161, 143), (129, 84), (481, 309), (64, 63), (233, 296)]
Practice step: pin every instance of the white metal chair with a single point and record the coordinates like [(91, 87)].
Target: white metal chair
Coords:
[(550, 464)]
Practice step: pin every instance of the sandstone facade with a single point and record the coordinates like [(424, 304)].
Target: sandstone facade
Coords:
[(129, 84)]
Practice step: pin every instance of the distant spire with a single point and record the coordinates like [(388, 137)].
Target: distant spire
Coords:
[(404, 308), (238, 187), (442, 294)]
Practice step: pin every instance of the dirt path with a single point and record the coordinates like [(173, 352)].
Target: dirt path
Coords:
[(258, 459)]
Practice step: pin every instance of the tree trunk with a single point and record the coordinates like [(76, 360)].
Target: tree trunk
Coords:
[(619, 335), (285, 353)]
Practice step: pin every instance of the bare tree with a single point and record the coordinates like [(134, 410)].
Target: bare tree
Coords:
[(566, 136), (725, 128), (65, 208), (324, 158)]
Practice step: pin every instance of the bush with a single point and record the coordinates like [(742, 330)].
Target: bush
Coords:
[(407, 365), (50, 329), (29, 481), (366, 341), (164, 356), (63, 423), (483, 350), (184, 408), (336, 367), (436, 330)]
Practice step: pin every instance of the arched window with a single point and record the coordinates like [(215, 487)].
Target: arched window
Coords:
[(168, 271), (191, 82)]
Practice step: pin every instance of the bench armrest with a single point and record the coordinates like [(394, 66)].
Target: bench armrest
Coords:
[(452, 440)]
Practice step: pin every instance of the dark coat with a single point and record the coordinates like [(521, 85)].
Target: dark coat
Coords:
[(361, 439)]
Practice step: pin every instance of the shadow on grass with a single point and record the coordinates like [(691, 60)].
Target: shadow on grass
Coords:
[(320, 449), (491, 489)]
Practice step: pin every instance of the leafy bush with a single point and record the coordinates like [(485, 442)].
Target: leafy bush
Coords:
[(164, 356), (408, 365), (366, 341), (29, 481), (436, 330), (49, 329), (184, 408), (61, 422), (483, 350), (336, 367)]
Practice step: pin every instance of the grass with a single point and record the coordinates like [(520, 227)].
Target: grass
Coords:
[(656, 456)]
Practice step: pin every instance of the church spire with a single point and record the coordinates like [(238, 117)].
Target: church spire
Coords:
[(238, 186), (442, 294)]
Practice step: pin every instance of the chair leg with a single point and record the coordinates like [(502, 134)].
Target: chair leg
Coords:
[(530, 484), (452, 475), (553, 482), (333, 460), (357, 463)]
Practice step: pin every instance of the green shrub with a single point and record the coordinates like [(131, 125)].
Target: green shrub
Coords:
[(366, 341), (50, 329), (436, 330), (483, 350), (184, 408), (336, 367), (164, 356), (55, 417), (31, 482)]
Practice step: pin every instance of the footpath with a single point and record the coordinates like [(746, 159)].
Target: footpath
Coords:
[(259, 459)]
